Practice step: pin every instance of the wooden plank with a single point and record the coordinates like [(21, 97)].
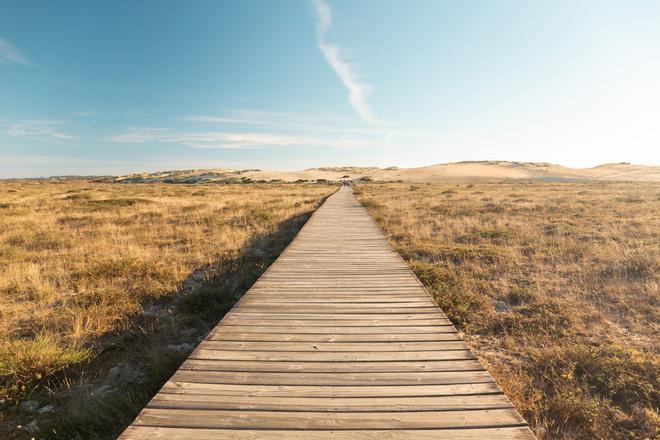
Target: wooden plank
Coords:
[(240, 315), (330, 329), (360, 356), (338, 309), (352, 378), (316, 347), (321, 291), (150, 432), (362, 337), (380, 301), (219, 419), (190, 388), (287, 322), (329, 404), (331, 366)]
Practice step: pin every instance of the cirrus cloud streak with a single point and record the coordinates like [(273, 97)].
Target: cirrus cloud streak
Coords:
[(10, 55), (237, 140), (45, 130), (358, 91)]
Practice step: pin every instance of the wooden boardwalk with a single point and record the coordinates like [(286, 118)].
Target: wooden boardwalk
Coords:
[(337, 340)]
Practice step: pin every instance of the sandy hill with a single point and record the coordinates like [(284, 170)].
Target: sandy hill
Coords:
[(488, 170)]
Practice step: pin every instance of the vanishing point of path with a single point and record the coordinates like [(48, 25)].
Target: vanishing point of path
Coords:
[(337, 340)]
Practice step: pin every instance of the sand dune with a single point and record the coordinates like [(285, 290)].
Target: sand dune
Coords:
[(488, 170)]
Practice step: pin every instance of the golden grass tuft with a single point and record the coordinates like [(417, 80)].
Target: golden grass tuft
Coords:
[(25, 362)]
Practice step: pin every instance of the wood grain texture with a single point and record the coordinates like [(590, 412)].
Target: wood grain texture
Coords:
[(148, 433), (337, 340)]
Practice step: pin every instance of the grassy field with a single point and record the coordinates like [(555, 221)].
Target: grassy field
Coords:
[(555, 286), (105, 288)]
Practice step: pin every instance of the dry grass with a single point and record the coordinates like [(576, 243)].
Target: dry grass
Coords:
[(80, 262), (555, 286)]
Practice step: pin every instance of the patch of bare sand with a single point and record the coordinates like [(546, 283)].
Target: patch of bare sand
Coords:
[(478, 170)]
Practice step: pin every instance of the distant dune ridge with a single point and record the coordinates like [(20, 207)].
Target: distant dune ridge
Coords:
[(477, 170)]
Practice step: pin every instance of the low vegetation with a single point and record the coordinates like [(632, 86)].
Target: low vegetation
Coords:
[(105, 288), (556, 287)]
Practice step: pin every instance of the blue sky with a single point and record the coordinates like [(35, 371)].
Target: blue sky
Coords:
[(124, 86)]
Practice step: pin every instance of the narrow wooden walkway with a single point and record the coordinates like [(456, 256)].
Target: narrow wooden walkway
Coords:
[(337, 340)]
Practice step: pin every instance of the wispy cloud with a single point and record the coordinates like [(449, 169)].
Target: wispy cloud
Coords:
[(221, 120), (358, 91), (141, 135), (46, 130), (10, 55), (249, 128), (312, 122), (238, 140)]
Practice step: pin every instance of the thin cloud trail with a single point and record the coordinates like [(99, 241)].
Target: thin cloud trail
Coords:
[(44, 130), (237, 140), (10, 55), (358, 92), (293, 121)]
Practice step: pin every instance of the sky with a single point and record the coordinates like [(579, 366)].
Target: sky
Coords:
[(125, 86)]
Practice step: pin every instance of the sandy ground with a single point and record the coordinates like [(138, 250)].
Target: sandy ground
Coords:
[(432, 173)]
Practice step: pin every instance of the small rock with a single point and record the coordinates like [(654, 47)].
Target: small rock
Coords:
[(156, 311), (257, 252), (102, 391), (29, 405), (181, 348), (123, 373), (501, 306), (194, 280), (32, 426), (188, 333), (46, 409)]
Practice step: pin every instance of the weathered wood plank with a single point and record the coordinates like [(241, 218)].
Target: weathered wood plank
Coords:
[(360, 337), (220, 419), (330, 329), (453, 343), (149, 432), (241, 316), (345, 378), (334, 310), (352, 404), (349, 300), (330, 367), (364, 356), (189, 388), (277, 322)]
